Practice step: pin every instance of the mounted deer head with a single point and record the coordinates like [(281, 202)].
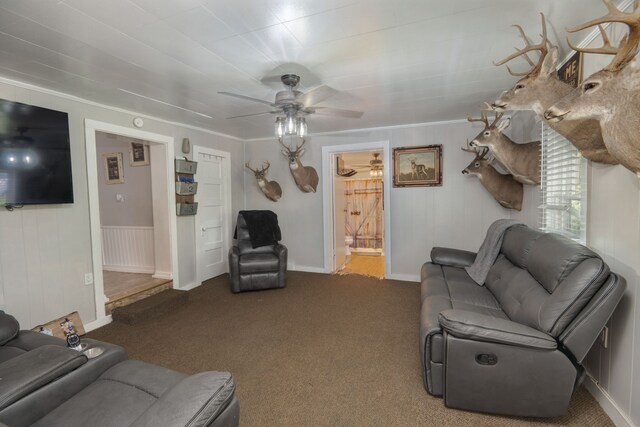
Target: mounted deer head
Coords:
[(504, 188), (271, 189), (521, 160), (540, 88), (611, 95), (306, 177)]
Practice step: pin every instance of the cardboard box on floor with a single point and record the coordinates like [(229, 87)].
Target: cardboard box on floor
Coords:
[(55, 328)]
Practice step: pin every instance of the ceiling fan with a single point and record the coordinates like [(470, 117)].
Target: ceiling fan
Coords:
[(292, 102), (374, 167)]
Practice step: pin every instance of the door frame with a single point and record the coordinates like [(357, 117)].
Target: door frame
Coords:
[(228, 221), (328, 198), (90, 129)]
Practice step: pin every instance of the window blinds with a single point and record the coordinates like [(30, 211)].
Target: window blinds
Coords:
[(563, 187)]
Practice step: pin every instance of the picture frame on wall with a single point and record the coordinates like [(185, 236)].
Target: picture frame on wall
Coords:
[(114, 171), (139, 152), (417, 166)]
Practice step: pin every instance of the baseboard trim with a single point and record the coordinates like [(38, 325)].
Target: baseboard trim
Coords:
[(129, 269), (403, 277), (97, 323), (162, 275), (619, 418), (307, 269), (188, 287)]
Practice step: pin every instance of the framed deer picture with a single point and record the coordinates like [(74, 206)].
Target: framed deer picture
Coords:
[(417, 166)]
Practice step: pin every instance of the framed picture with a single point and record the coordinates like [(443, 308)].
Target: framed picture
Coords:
[(417, 166), (113, 168), (139, 154), (571, 71)]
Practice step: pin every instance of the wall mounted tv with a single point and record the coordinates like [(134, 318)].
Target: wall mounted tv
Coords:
[(35, 157)]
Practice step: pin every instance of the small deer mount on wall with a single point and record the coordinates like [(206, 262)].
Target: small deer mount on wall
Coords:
[(271, 189), (521, 160), (504, 188), (306, 177), (611, 95)]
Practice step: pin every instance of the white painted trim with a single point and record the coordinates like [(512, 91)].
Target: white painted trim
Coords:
[(91, 126), (166, 275), (306, 269), (189, 286), (377, 128), (75, 98), (617, 415), (228, 220), (128, 269), (404, 277), (327, 198), (98, 323), (127, 227)]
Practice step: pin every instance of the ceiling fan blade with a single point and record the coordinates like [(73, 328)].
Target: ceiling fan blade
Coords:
[(327, 111), (254, 114), (316, 95), (247, 98)]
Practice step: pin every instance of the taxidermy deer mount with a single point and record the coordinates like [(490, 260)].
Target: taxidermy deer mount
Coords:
[(306, 177), (521, 160), (504, 188), (271, 189), (611, 95), (540, 88)]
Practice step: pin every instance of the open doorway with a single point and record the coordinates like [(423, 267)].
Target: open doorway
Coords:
[(125, 189), (359, 178), (161, 154), (356, 207)]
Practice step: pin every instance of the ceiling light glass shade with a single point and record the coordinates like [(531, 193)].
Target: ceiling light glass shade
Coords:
[(291, 125)]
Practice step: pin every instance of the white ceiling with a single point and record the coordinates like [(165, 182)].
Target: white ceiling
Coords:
[(402, 61)]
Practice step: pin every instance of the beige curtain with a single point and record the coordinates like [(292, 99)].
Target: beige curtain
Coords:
[(364, 217)]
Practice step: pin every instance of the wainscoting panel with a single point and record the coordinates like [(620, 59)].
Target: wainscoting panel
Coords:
[(128, 249)]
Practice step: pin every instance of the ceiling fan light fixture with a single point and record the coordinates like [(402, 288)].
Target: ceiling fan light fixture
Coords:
[(279, 127), (302, 127), (291, 125)]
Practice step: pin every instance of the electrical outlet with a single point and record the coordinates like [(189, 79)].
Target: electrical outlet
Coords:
[(604, 337), (88, 279)]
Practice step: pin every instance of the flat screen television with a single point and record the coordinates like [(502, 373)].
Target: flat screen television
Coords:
[(35, 156)]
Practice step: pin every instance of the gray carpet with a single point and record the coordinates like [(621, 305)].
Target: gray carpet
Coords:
[(325, 351)]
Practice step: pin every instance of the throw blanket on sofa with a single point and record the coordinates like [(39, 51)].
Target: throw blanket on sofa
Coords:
[(263, 228), (489, 250)]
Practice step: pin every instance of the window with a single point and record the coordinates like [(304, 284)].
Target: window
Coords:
[(563, 187)]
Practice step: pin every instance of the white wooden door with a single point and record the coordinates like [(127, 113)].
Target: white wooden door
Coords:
[(339, 218), (213, 218)]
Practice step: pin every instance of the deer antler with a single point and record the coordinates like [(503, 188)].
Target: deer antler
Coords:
[(483, 119), (542, 47), (265, 169), (483, 153), (249, 167), (628, 47), (470, 149), (497, 118), (285, 146)]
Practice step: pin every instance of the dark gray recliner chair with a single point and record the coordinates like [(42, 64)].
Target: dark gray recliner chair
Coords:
[(252, 269), (515, 345)]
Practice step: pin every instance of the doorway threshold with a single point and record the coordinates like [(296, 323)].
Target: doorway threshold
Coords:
[(131, 287)]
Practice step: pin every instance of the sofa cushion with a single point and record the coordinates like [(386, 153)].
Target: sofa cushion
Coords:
[(517, 243), (9, 327), (554, 257), (258, 263)]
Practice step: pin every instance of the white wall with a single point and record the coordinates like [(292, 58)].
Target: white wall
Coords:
[(135, 208), (455, 215), (614, 232), (46, 250)]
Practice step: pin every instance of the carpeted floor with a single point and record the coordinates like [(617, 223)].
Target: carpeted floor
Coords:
[(327, 350)]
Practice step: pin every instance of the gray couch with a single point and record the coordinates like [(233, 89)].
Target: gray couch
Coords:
[(44, 383), (515, 345)]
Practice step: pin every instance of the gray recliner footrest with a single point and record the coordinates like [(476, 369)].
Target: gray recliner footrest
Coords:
[(29, 371)]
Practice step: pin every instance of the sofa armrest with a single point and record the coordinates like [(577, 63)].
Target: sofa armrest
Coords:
[(452, 257), (480, 327), (194, 401)]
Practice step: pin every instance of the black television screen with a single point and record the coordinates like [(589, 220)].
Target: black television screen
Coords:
[(35, 157)]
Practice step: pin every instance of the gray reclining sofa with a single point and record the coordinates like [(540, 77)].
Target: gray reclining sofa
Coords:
[(45, 383), (515, 345)]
